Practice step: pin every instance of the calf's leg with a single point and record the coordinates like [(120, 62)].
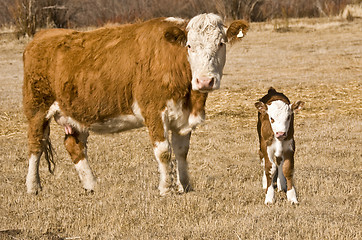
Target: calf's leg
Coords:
[(279, 177), (270, 169), (288, 170), (264, 181)]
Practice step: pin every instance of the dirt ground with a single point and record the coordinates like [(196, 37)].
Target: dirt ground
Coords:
[(318, 61)]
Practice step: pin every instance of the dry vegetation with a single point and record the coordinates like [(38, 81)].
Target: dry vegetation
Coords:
[(318, 61), (29, 15)]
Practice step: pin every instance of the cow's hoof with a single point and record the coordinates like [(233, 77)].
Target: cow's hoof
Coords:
[(89, 182), (89, 191), (183, 188), (164, 191), (33, 191), (180, 190), (33, 188)]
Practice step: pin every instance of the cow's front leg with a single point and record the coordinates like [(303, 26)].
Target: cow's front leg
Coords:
[(180, 145), (288, 170), (162, 150)]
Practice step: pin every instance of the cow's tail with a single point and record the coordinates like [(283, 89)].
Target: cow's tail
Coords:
[(48, 149)]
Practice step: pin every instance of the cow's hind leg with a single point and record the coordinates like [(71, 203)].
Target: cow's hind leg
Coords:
[(180, 145), (76, 145), (38, 140)]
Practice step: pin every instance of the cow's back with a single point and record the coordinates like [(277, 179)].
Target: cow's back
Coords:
[(99, 74)]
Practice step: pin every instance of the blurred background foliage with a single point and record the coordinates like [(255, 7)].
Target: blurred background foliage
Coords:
[(29, 15)]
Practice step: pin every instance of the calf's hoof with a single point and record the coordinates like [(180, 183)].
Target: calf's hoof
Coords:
[(292, 196), (269, 196)]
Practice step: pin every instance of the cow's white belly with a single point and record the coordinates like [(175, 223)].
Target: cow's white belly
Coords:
[(111, 125), (117, 124)]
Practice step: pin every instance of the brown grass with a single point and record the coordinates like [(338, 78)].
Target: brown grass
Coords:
[(317, 61)]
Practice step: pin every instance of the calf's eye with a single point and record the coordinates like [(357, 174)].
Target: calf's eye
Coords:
[(271, 120)]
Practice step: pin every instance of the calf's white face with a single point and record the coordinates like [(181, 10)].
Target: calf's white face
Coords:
[(206, 43), (280, 115)]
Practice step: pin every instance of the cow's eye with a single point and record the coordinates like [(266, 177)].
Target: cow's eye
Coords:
[(271, 120), (221, 44), (188, 46)]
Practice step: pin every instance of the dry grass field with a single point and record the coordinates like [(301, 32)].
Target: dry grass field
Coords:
[(317, 61)]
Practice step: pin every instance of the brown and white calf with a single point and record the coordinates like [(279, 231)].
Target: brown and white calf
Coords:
[(276, 129), (155, 74)]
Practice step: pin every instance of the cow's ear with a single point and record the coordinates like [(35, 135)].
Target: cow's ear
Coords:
[(297, 106), (261, 107), (175, 35), (237, 30)]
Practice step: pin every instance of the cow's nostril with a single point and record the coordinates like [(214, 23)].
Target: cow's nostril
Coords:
[(211, 83)]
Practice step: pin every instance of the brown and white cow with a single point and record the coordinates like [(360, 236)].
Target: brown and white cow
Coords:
[(276, 129), (155, 74)]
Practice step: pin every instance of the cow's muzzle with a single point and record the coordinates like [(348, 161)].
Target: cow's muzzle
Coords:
[(205, 83)]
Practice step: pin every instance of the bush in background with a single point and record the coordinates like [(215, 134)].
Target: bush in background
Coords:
[(28, 15)]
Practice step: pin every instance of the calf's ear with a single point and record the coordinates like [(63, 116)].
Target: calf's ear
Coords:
[(175, 35), (237, 30), (297, 106), (261, 107)]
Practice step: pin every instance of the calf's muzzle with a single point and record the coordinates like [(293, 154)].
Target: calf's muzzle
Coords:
[(280, 135)]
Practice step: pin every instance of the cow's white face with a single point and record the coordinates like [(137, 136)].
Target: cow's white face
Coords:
[(205, 38), (206, 43), (280, 115)]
